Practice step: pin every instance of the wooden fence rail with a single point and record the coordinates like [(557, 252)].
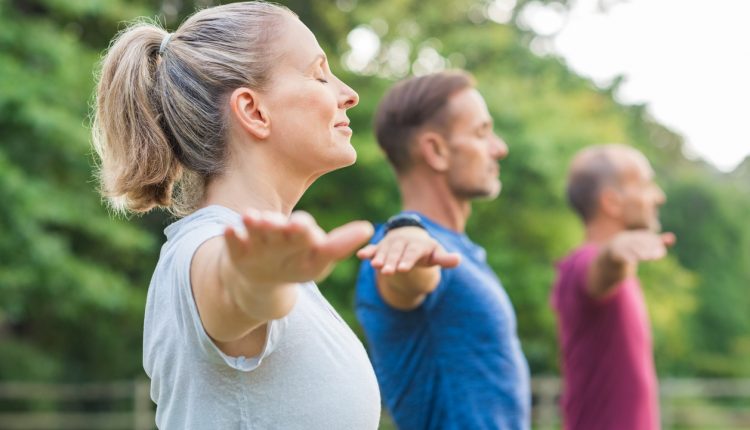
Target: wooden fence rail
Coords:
[(685, 403), (135, 412)]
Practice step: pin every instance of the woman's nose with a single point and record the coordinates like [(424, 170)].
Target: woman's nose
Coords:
[(349, 97)]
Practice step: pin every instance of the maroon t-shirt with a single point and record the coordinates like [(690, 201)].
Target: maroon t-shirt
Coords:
[(609, 380)]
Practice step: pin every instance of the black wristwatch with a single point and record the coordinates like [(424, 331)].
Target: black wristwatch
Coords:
[(403, 220)]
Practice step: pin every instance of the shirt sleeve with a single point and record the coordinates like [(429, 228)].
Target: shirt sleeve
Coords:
[(433, 298), (191, 326), (581, 266)]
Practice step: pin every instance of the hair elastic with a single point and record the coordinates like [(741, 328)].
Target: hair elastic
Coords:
[(164, 43)]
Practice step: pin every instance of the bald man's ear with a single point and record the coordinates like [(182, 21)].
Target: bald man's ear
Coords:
[(433, 149), (610, 202), (247, 111)]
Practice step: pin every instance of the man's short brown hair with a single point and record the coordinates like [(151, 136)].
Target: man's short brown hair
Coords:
[(412, 104)]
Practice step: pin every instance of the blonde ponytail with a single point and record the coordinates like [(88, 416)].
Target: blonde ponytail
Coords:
[(138, 166), (159, 125)]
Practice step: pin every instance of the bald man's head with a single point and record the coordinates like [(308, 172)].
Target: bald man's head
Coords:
[(597, 167)]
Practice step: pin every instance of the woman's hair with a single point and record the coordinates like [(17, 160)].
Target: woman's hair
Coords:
[(160, 122)]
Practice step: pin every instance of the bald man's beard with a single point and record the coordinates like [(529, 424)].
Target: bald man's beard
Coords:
[(651, 225)]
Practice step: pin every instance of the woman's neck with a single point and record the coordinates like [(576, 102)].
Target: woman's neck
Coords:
[(255, 183)]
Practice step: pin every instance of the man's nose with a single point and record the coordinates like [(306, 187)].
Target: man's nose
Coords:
[(661, 198), (499, 147)]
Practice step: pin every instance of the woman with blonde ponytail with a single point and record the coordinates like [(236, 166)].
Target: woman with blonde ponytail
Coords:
[(226, 122)]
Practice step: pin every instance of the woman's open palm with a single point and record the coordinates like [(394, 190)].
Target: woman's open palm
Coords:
[(275, 249)]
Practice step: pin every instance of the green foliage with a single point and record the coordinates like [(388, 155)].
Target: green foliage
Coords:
[(710, 218), (73, 279)]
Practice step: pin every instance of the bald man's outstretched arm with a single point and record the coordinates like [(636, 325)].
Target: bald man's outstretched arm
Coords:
[(618, 259)]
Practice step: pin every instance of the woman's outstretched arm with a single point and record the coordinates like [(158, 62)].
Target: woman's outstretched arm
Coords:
[(247, 277)]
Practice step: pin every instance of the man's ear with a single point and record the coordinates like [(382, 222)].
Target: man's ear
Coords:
[(610, 201), (433, 149), (249, 113)]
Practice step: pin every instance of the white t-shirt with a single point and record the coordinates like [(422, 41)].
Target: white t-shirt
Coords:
[(313, 372)]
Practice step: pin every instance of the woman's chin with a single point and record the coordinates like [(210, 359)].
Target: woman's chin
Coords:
[(339, 161), (347, 157), (352, 158)]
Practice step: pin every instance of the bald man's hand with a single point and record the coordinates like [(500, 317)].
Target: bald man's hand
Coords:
[(619, 258), (630, 247)]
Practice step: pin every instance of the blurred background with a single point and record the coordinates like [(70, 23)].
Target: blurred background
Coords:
[(669, 77)]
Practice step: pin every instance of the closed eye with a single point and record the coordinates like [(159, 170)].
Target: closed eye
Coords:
[(484, 129)]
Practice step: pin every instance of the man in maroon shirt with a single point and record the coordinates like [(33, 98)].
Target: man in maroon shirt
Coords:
[(605, 335)]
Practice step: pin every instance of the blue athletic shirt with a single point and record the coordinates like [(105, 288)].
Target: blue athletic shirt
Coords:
[(454, 362)]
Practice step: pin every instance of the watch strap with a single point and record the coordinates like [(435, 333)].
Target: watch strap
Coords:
[(403, 220)]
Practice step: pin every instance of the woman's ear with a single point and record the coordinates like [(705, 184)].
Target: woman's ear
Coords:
[(248, 112), (433, 149)]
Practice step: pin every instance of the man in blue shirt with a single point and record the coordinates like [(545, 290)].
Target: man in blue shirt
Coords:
[(442, 334)]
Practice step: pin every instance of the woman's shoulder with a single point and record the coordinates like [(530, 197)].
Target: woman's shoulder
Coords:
[(208, 218)]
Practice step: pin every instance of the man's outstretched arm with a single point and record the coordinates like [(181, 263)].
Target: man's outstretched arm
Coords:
[(619, 258), (407, 263)]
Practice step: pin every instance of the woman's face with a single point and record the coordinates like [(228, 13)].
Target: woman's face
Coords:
[(307, 105)]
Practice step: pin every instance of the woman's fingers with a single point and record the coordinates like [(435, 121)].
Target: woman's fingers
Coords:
[(266, 227), (295, 246), (253, 223), (235, 244), (344, 240), (367, 252), (270, 230)]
